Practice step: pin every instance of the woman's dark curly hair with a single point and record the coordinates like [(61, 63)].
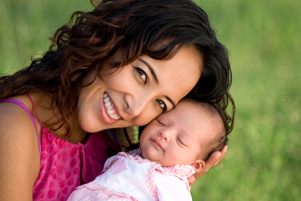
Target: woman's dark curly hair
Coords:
[(133, 28)]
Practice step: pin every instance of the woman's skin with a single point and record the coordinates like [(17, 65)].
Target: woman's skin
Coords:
[(213, 160)]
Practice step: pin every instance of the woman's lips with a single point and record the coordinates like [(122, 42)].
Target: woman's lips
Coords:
[(110, 109)]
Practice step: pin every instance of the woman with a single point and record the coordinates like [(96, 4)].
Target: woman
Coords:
[(120, 65)]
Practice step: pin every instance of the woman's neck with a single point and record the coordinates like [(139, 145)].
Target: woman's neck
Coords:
[(50, 120)]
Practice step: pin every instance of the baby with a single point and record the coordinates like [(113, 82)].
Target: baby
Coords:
[(172, 147)]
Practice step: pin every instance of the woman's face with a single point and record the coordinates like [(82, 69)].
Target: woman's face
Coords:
[(137, 93)]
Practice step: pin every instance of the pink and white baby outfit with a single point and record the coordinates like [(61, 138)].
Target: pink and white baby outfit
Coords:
[(128, 177)]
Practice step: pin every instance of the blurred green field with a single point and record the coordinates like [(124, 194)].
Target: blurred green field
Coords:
[(263, 39)]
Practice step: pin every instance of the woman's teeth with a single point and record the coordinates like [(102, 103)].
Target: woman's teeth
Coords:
[(109, 107)]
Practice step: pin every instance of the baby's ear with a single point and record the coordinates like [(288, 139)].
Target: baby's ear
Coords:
[(198, 165)]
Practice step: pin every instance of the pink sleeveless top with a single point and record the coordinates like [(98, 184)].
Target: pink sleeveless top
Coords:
[(65, 165)]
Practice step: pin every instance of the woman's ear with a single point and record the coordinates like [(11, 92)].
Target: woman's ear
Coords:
[(198, 165)]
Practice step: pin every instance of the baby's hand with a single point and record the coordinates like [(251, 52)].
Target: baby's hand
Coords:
[(213, 160)]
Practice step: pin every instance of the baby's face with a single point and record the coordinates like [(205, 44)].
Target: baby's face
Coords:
[(176, 137)]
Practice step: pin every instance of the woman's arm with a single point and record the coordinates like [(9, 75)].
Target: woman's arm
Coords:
[(213, 160), (19, 154)]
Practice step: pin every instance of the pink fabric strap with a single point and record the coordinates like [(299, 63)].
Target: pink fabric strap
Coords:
[(34, 107), (17, 102)]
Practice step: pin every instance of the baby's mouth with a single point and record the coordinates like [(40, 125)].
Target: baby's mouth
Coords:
[(110, 107), (157, 143)]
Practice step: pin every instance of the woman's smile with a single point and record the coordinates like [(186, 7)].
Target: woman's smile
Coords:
[(111, 111), (108, 111)]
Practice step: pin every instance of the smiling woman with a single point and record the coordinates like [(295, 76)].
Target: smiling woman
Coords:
[(120, 65), (138, 92)]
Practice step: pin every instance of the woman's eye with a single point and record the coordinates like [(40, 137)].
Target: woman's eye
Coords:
[(162, 104), (142, 74)]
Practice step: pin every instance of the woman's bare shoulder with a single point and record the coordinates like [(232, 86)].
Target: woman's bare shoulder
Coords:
[(19, 152), (13, 118)]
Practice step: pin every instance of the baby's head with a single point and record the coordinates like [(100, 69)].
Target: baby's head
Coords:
[(185, 135)]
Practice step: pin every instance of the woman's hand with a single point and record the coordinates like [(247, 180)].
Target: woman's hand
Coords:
[(213, 160)]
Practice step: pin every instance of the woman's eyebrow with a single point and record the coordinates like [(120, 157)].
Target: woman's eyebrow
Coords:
[(171, 101), (156, 79), (150, 69)]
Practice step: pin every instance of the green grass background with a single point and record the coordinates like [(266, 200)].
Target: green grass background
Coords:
[(263, 39)]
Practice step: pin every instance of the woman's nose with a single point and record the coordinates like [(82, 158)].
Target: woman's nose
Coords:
[(137, 104)]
